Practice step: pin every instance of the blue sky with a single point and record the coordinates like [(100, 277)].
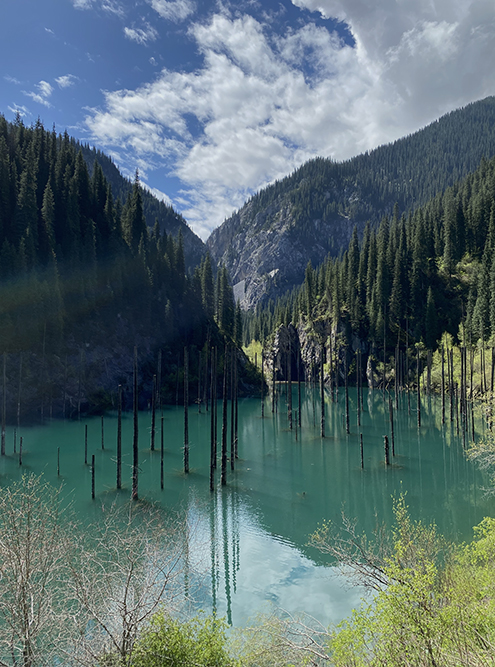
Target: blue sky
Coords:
[(214, 100)]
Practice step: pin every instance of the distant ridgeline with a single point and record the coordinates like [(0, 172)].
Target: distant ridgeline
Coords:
[(408, 281), (83, 278), (154, 210), (310, 214)]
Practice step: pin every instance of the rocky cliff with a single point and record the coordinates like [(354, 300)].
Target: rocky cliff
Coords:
[(266, 252), (267, 244)]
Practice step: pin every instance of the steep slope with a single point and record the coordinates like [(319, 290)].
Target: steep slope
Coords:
[(169, 220), (310, 214), (83, 285)]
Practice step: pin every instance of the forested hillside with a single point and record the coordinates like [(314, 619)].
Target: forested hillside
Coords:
[(154, 210), (83, 280), (312, 213), (408, 281)]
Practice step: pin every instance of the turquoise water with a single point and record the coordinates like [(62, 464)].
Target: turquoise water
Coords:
[(248, 540)]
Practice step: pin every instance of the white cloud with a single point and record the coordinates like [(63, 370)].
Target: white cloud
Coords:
[(113, 7), (109, 6), (45, 88), (174, 10), (66, 80), (141, 35), (161, 196), (19, 109), (41, 97), (265, 103), (12, 79), (82, 4)]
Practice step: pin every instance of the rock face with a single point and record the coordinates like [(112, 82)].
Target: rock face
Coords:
[(311, 213), (266, 253), (303, 345), (284, 351)]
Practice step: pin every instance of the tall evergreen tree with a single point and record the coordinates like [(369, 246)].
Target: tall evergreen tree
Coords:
[(207, 286), (133, 222)]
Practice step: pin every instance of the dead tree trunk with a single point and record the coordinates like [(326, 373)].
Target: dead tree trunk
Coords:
[(232, 407), (212, 423), (387, 450), (4, 405), (153, 413), (135, 439), (186, 411), (224, 421), (119, 439), (322, 395)]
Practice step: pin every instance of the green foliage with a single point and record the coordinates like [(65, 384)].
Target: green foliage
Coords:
[(436, 608), (169, 642)]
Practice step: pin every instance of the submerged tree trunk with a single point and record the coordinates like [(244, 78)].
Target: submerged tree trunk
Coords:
[(119, 439), (224, 422), (346, 371), (391, 415), (4, 405), (289, 390), (161, 452), (418, 387), (232, 407), (186, 410), (322, 395), (135, 439), (153, 414), (212, 423)]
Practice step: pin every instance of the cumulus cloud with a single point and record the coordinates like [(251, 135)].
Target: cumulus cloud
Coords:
[(66, 80), (261, 104), (141, 35), (174, 10)]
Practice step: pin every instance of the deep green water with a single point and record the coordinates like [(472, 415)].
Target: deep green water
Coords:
[(249, 539)]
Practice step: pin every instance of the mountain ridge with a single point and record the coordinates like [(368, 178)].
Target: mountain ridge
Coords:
[(311, 213), (169, 220)]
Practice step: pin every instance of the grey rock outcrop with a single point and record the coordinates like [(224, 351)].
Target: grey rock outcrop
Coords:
[(266, 253)]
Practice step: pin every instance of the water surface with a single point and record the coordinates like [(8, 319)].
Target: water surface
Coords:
[(250, 538)]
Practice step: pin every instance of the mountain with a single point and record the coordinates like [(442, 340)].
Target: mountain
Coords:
[(84, 282), (311, 214), (169, 220)]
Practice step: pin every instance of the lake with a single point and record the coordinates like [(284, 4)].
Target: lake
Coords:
[(250, 538)]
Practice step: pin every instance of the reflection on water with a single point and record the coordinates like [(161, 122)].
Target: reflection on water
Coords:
[(250, 538)]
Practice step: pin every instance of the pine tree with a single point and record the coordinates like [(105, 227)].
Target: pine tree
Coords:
[(238, 333), (309, 288), (133, 222), (226, 307), (450, 232), (431, 321), (47, 237), (207, 287)]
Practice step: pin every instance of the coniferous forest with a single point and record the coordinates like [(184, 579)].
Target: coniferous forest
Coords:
[(84, 279), (407, 280)]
